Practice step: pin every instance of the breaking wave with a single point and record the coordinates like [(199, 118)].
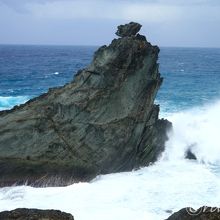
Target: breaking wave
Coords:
[(150, 193), (196, 130)]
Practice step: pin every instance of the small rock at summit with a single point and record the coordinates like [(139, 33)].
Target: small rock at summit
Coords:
[(35, 214), (128, 30)]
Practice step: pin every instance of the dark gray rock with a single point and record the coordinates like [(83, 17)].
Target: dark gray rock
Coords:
[(127, 30), (189, 152), (35, 214), (203, 213), (190, 155), (103, 121)]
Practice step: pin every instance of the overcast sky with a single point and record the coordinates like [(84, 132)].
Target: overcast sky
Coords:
[(93, 22)]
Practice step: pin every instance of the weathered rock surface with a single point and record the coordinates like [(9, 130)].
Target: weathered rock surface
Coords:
[(103, 121), (35, 214), (203, 213)]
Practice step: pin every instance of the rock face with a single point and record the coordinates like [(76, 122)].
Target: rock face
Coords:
[(103, 121), (203, 213), (35, 214)]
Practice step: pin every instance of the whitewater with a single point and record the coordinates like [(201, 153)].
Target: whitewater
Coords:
[(189, 98), (149, 193)]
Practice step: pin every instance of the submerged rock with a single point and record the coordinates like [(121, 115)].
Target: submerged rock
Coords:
[(190, 155), (203, 213), (189, 152), (35, 214), (103, 121)]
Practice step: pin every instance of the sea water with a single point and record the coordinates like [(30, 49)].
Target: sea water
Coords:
[(189, 97)]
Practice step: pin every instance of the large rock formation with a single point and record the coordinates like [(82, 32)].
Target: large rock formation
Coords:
[(203, 213), (103, 121), (35, 214)]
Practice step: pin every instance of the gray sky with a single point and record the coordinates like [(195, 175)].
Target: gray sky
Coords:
[(93, 22)]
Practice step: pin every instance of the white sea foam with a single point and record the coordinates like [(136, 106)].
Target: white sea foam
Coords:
[(197, 129), (146, 194), (7, 102)]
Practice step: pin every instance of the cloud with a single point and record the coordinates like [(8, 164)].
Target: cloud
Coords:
[(22, 3), (148, 11), (144, 10), (151, 13), (166, 22)]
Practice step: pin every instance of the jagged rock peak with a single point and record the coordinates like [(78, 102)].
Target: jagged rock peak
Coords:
[(128, 30)]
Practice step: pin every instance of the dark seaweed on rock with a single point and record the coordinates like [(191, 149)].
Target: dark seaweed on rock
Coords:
[(103, 121)]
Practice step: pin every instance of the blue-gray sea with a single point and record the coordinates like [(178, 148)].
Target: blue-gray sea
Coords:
[(189, 97)]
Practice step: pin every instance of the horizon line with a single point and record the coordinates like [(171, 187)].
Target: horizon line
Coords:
[(89, 45)]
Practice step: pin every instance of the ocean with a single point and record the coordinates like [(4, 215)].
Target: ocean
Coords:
[(189, 97)]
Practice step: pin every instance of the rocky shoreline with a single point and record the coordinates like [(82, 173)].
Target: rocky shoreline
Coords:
[(104, 121), (203, 213)]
